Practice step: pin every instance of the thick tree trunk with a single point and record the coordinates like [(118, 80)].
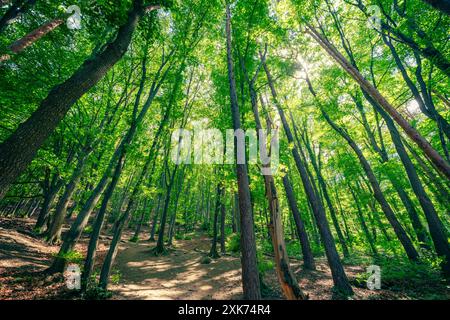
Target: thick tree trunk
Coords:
[(18, 150)]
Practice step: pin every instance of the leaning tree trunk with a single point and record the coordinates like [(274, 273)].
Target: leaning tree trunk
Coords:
[(423, 144), (98, 224), (378, 194), (250, 274), (73, 235), (437, 229), (31, 38), (18, 150)]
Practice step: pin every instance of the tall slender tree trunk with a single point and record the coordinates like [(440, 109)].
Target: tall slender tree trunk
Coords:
[(213, 251), (98, 225), (286, 277), (308, 258), (222, 224), (54, 234), (324, 188), (378, 194), (364, 227)]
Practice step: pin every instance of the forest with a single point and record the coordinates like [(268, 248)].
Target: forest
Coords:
[(224, 149)]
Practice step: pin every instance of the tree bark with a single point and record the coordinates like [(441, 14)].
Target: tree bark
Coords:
[(250, 274), (308, 258), (18, 150)]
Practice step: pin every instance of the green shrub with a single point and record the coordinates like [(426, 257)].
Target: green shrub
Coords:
[(233, 243), (205, 226), (88, 229), (134, 239), (72, 256), (115, 277), (97, 293), (265, 264), (400, 273)]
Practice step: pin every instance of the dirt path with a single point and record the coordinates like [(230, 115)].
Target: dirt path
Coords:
[(178, 275)]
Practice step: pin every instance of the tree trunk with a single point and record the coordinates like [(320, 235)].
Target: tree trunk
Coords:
[(423, 144), (49, 197), (324, 188), (308, 258), (222, 224), (98, 225), (250, 274), (213, 251), (19, 149), (437, 229), (73, 235), (390, 215), (31, 38), (369, 238), (339, 277), (54, 234)]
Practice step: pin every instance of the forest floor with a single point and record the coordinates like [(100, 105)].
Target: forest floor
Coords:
[(140, 275)]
